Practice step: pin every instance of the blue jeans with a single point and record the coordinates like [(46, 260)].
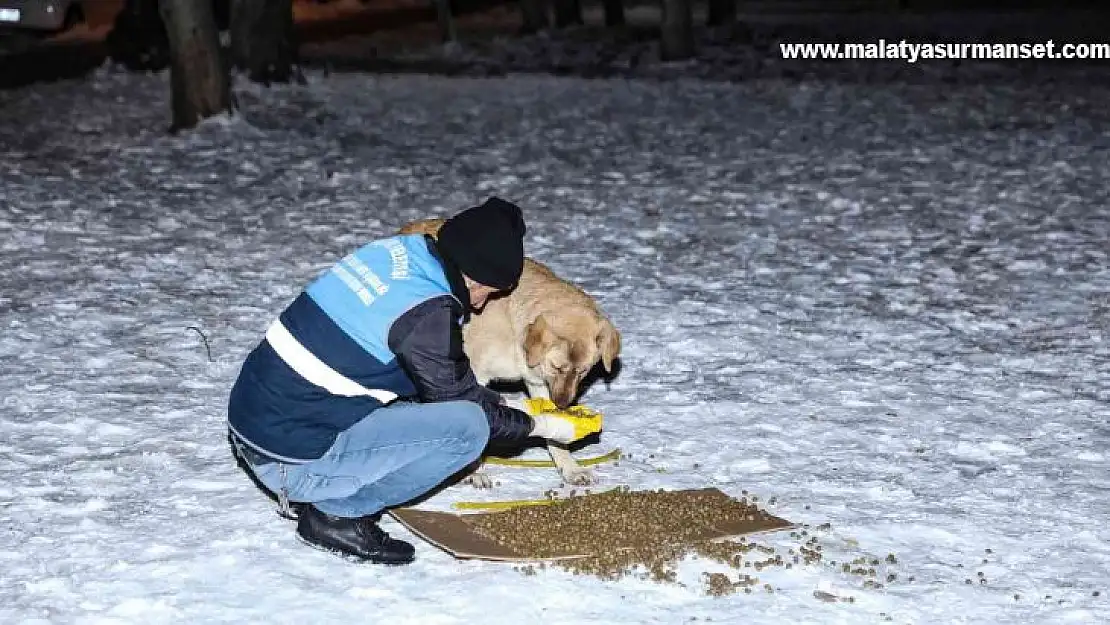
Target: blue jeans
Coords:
[(393, 455)]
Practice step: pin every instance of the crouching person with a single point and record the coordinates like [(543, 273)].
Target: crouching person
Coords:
[(360, 397)]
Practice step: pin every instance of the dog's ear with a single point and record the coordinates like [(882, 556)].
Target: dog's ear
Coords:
[(609, 342), (422, 226), (536, 340)]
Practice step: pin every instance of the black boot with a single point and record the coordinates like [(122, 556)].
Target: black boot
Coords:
[(358, 537)]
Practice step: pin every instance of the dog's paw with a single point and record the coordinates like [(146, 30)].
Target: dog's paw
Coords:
[(479, 479), (578, 476)]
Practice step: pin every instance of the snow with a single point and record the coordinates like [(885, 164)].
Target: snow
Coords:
[(884, 306)]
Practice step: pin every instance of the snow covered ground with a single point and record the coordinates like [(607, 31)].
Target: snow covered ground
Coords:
[(885, 306)]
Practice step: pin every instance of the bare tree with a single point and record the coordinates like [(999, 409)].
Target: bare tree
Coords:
[(721, 12), (446, 18), (614, 13), (199, 79), (568, 13), (677, 32), (533, 15), (138, 39), (263, 42)]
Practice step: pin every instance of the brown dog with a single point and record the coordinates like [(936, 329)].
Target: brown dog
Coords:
[(547, 333)]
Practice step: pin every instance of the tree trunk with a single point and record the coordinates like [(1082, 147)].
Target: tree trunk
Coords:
[(221, 10), (138, 38), (677, 32), (721, 13), (567, 13), (614, 13), (262, 39), (199, 81), (533, 15), (446, 21)]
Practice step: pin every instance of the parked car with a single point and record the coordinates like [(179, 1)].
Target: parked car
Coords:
[(41, 15)]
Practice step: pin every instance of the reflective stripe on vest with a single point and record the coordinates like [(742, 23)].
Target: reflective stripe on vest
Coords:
[(316, 371)]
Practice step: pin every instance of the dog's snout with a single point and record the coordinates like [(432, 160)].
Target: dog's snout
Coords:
[(563, 392)]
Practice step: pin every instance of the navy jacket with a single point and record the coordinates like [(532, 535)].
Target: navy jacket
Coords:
[(384, 323)]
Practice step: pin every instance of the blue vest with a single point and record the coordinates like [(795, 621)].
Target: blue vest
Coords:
[(325, 363)]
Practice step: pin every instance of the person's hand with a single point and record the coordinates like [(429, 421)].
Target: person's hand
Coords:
[(562, 426)]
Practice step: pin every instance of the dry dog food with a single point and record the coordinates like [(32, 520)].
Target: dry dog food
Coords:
[(642, 533)]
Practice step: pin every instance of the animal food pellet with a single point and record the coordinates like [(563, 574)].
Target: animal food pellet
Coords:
[(644, 533)]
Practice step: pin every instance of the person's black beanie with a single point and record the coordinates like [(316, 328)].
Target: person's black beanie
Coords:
[(487, 242)]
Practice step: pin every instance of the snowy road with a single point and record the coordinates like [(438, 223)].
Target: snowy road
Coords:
[(885, 306)]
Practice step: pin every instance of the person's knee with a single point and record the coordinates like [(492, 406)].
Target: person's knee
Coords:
[(471, 426)]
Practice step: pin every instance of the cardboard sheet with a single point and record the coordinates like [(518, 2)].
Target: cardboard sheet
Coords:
[(454, 534)]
